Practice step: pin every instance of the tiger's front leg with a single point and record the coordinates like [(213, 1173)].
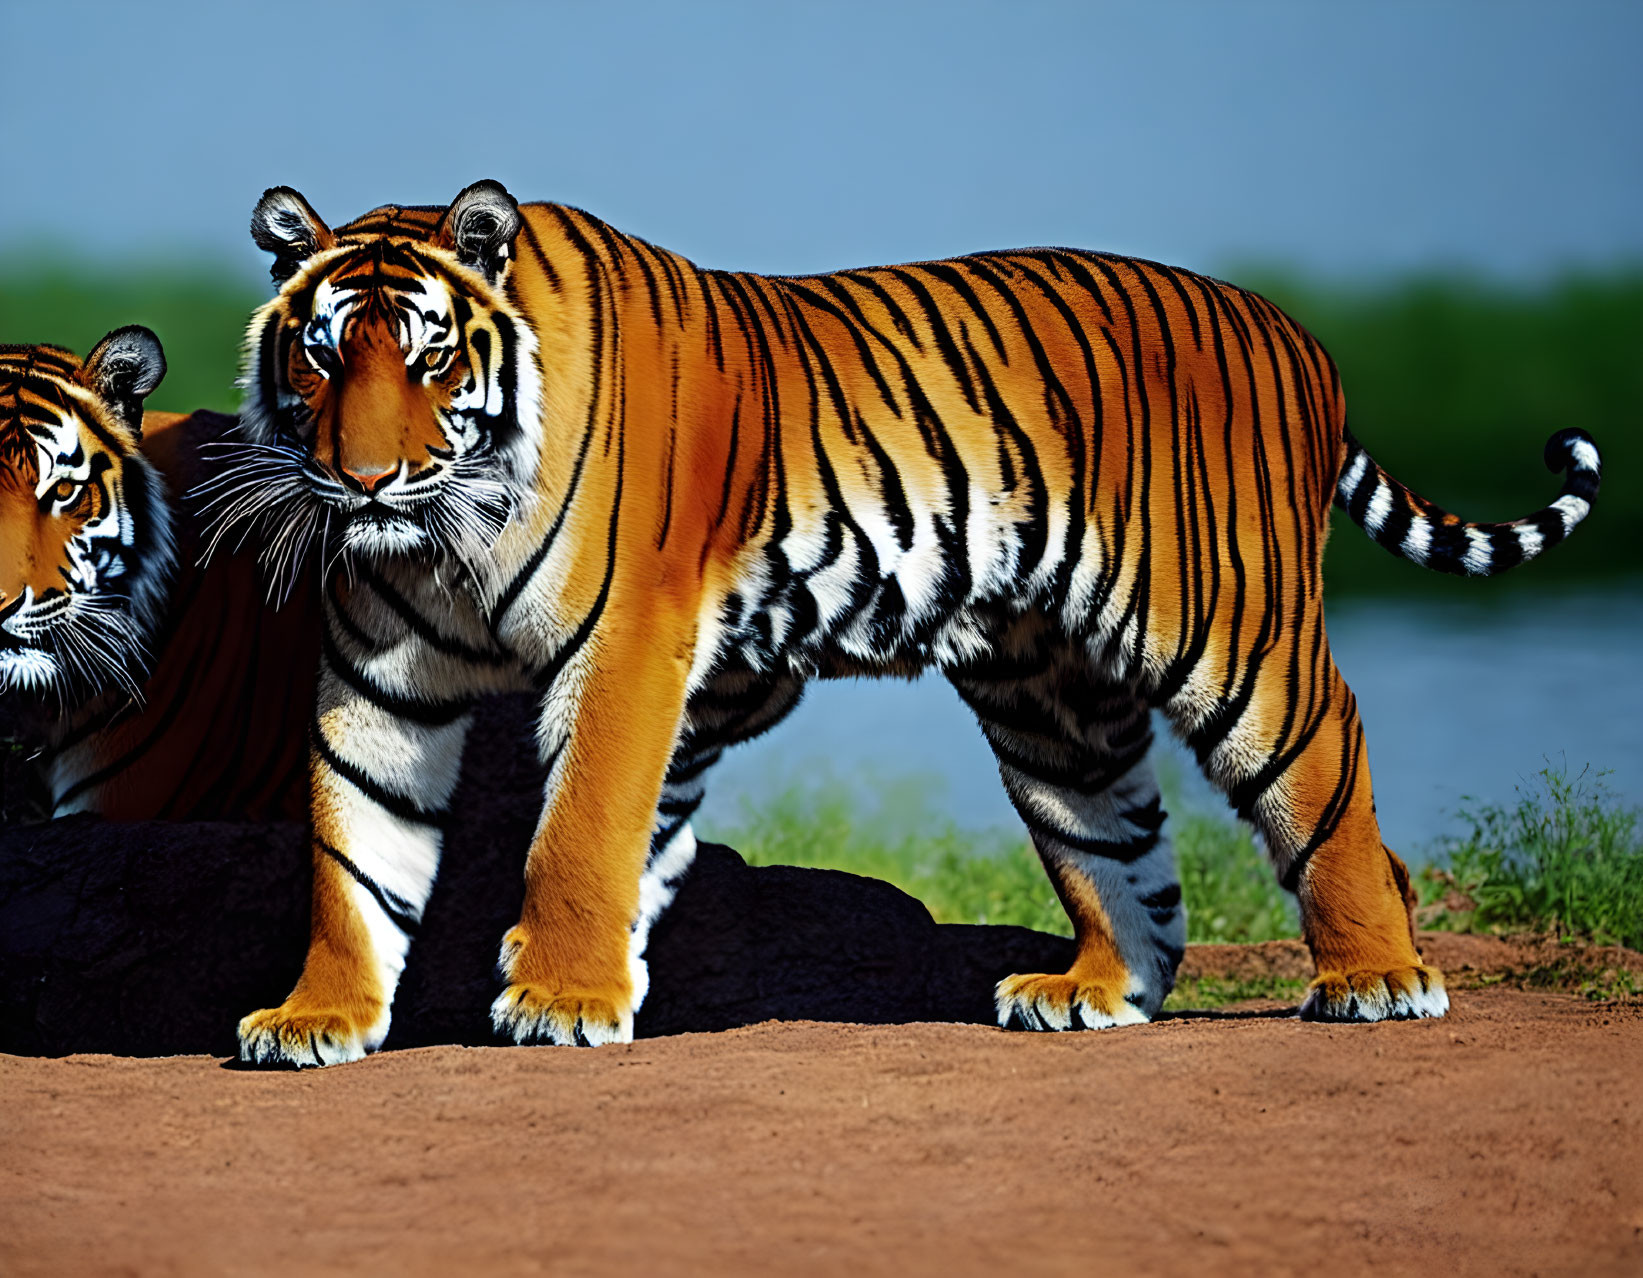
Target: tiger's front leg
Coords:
[(609, 724), (384, 764)]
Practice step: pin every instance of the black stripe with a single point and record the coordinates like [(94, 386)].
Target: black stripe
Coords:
[(545, 677), (855, 324), (433, 714), (694, 769), (399, 911), (596, 366), (1124, 851), (424, 629), (1164, 898), (891, 492), (957, 365), (730, 460), (667, 508), (400, 806)]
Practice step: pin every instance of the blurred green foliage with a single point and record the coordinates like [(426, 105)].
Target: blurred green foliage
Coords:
[(1452, 384), (198, 310), (1230, 888)]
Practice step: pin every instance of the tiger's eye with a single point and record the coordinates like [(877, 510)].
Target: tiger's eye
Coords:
[(431, 358), (64, 489)]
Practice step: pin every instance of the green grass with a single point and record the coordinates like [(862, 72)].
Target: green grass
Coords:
[(1453, 384), (1575, 974), (1217, 991), (1231, 892), (1565, 859), (965, 876), (961, 876)]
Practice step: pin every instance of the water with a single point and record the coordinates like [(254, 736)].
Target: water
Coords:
[(1460, 704)]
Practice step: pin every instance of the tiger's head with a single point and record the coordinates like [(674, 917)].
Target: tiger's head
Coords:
[(85, 528), (391, 387)]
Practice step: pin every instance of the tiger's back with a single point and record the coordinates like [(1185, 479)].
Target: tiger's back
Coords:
[(1051, 430)]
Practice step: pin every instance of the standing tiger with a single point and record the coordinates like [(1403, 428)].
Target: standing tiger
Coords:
[(554, 456), (154, 688)]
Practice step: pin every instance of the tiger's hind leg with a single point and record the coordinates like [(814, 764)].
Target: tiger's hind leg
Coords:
[(1286, 746), (1073, 755), (737, 704)]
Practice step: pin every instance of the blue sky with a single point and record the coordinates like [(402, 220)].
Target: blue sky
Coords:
[(1344, 139)]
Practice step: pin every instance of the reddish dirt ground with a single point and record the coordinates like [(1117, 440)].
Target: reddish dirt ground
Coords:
[(1506, 1139)]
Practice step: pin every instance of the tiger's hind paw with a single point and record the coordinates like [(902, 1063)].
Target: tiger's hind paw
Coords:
[(291, 1037), (534, 1014), (1044, 1002), (1401, 994)]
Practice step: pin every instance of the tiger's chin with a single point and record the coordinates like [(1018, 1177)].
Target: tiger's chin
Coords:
[(28, 671), (41, 675), (378, 537), (431, 536)]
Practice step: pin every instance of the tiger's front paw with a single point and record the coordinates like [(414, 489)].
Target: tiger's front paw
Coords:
[(536, 1014), (536, 1008), (1401, 994), (1042, 1002), (292, 1034)]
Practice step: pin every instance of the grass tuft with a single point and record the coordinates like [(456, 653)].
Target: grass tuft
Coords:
[(1596, 982), (1566, 859)]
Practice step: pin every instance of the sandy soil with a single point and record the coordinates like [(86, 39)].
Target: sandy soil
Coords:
[(1506, 1139)]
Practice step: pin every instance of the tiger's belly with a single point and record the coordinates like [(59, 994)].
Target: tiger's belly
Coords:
[(842, 601)]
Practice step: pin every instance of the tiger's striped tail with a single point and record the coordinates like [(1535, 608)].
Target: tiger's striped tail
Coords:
[(1415, 529)]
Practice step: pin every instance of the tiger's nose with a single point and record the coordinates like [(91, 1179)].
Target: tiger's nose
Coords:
[(368, 481)]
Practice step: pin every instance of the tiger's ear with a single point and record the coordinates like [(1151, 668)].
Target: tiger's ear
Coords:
[(481, 226), (285, 224), (122, 370)]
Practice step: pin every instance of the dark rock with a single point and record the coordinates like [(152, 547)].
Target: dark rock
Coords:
[(155, 938), (149, 939)]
